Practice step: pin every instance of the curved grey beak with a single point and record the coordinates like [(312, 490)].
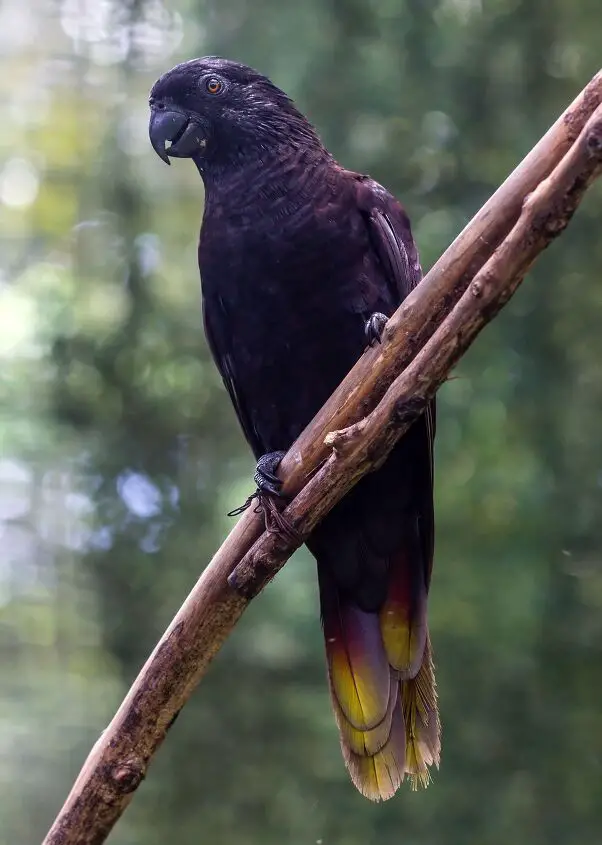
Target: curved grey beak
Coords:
[(175, 128)]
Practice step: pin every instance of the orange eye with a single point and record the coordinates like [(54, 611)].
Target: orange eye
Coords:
[(214, 85)]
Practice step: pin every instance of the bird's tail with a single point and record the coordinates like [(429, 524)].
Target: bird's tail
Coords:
[(382, 683)]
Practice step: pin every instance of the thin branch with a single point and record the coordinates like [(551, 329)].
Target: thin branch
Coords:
[(391, 384)]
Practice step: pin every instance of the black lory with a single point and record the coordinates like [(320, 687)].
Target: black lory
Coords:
[(301, 262)]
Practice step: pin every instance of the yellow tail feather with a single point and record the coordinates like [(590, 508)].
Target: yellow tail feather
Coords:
[(422, 725), (406, 742)]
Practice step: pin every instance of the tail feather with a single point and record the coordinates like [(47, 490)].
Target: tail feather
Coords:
[(368, 742), (382, 685), (422, 725), (403, 626), (379, 776), (358, 666)]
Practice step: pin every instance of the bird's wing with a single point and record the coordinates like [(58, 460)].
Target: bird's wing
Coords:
[(391, 235), (224, 361), (374, 552)]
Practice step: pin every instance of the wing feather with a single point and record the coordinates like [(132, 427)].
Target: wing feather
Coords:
[(391, 235), (224, 361)]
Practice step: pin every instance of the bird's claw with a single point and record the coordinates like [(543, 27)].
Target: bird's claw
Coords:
[(265, 473), (374, 327)]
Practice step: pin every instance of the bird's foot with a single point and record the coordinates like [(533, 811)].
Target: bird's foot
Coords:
[(270, 501), (265, 474), (268, 483), (374, 327)]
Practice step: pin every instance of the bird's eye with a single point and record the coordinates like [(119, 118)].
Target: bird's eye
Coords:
[(213, 85)]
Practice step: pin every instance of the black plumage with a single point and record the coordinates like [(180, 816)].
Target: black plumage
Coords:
[(296, 254)]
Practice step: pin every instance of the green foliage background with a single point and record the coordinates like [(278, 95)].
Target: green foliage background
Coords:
[(120, 454)]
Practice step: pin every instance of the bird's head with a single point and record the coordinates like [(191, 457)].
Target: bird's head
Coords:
[(217, 111)]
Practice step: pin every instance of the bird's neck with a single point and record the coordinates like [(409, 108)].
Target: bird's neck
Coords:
[(274, 182)]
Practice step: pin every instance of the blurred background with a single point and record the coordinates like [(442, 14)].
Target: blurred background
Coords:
[(120, 454)]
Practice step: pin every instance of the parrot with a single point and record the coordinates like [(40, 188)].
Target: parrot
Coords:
[(302, 262)]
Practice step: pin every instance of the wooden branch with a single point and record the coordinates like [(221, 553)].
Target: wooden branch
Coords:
[(383, 381)]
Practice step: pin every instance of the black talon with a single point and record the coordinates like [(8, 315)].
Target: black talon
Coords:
[(265, 474), (374, 327)]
